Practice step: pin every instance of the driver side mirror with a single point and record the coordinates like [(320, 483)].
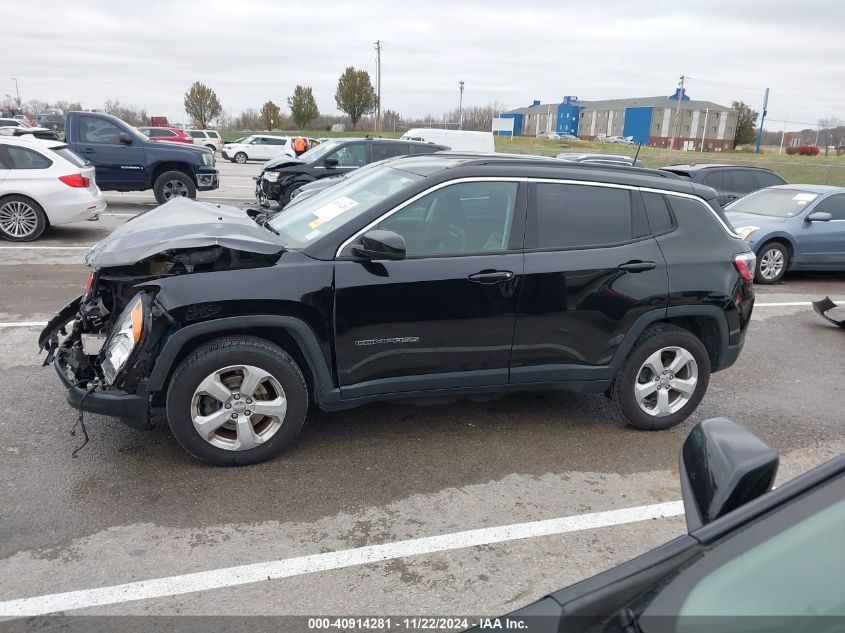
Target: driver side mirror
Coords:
[(819, 216), (723, 466), (379, 244), (124, 138), (330, 163)]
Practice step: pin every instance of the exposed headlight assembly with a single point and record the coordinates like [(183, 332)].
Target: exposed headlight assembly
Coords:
[(272, 176), (746, 231), (127, 332)]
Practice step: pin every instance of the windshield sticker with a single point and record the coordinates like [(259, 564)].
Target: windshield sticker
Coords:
[(313, 234), (804, 198), (332, 210)]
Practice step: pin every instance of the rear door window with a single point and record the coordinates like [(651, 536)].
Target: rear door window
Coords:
[(715, 179), (196, 134), (25, 158), (744, 181), (579, 216), (389, 150), (766, 179)]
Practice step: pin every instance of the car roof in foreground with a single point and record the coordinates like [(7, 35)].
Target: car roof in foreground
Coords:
[(521, 165)]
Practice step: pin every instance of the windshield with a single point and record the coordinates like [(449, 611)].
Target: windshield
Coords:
[(316, 153), (776, 203), (324, 212)]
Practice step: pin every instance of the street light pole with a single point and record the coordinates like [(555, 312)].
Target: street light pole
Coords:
[(17, 90), (461, 107)]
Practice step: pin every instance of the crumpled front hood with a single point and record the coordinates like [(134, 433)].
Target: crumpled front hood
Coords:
[(282, 161), (180, 224)]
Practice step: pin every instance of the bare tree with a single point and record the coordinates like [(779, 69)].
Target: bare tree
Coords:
[(132, 114)]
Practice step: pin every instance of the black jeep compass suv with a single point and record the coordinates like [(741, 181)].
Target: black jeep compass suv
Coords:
[(426, 275)]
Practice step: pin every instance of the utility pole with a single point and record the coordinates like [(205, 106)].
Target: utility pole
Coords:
[(461, 107), (676, 127), (377, 126), (17, 90), (762, 119)]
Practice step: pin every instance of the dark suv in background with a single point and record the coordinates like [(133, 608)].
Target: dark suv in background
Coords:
[(426, 275), (282, 176), (730, 181)]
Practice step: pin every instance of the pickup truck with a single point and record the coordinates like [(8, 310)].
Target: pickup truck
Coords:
[(126, 160)]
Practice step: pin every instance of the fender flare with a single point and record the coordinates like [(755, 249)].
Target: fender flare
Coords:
[(655, 316), (301, 332)]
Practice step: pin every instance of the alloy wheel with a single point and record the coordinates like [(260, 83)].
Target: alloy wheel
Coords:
[(18, 219), (771, 264), (238, 407), (175, 189), (666, 381)]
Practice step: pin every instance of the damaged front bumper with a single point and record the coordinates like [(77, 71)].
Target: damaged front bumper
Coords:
[(823, 306), (85, 391)]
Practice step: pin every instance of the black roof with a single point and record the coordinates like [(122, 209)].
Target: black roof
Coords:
[(510, 165)]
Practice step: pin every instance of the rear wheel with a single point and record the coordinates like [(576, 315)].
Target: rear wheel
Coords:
[(240, 158), (236, 400), (663, 379), (772, 263), (21, 219), (174, 184), (212, 148)]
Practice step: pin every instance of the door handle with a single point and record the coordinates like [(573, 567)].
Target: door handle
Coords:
[(491, 276), (87, 150), (637, 266)]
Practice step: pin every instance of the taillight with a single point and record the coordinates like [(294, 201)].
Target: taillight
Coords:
[(89, 286), (745, 264), (76, 180)]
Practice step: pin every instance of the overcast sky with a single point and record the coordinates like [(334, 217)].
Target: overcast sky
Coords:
[(148, 53)]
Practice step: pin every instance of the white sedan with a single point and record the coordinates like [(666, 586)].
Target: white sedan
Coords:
[(43, 183)]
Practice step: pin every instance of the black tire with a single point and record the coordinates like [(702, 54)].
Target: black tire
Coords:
[(655, 338), (287, 194), (221, 353), (173, 184), (34, 219), (767, 274), (212, 148), (240, 158)]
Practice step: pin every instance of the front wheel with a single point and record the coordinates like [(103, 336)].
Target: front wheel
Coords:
[(772, 263), (240, 158), (663, 379), (236, 400), (174, 184)]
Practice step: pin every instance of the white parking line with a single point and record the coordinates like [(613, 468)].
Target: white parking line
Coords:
[(44, 248), (286, 568)]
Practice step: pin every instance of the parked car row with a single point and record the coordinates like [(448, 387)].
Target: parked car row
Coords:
[(265, 147)]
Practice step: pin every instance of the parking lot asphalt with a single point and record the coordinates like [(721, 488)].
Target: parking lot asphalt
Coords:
[(133, 507)]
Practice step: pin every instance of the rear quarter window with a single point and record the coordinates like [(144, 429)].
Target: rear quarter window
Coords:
[(70, 157), (660, 218), (25, 158)]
